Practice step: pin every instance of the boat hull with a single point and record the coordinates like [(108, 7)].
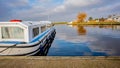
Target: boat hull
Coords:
[(40, 47)]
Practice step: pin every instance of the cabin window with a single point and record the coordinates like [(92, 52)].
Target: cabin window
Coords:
[(43, 28), (12, 33), (35, 31)]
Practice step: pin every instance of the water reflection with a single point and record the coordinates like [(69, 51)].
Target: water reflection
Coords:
[(86, 41), (81, 30), (113, 27)]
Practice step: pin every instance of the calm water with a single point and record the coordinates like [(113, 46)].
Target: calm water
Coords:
[(86, 41)]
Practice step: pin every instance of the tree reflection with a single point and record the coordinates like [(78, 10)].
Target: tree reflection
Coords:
[(81, 30)]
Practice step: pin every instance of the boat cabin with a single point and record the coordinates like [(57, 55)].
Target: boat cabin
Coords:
[(22, 31)]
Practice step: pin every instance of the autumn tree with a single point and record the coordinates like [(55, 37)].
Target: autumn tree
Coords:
[(81, 17)]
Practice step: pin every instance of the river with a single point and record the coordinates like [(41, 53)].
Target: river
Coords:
[(88, 40)]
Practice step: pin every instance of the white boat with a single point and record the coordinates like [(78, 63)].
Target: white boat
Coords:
[(20, 38)]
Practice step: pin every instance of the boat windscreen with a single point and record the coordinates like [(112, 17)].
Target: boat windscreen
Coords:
[(12, 33)]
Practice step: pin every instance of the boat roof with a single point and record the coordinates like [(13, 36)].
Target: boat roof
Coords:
[(28, 23)]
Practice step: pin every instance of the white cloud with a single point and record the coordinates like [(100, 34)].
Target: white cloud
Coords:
[(59, 8), (44, 1), (71, 4), (80, 3)]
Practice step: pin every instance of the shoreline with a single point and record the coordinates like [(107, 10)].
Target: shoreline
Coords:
[(90, 23)]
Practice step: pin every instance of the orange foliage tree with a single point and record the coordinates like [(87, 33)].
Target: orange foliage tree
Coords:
[(81, 17)]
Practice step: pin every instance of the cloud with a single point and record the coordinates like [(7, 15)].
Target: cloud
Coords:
[(25, 9), (35, 13), (13, 4), (55, 9), (94, 8), (8, 6), (18, 3), (105, 10), (71, 4), (81, 3)]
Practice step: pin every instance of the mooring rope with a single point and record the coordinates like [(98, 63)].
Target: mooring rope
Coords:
[(8, 48)]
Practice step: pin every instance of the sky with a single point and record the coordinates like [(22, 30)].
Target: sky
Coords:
[(56, 10)]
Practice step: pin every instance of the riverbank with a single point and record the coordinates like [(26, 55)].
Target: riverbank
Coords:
[(95, 23), (59, 62), (89, 23)]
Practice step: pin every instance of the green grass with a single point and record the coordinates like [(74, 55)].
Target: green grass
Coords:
[(60, 22)]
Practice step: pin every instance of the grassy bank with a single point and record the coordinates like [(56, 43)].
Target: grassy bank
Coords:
[(89, 23), (60, 23), (96, 23)]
